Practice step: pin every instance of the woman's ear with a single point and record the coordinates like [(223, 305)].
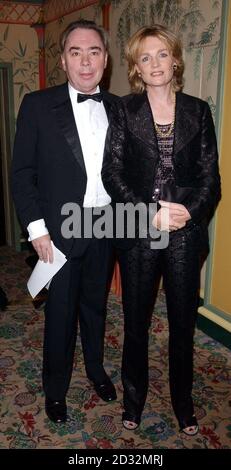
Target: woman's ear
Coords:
[(138, 71)]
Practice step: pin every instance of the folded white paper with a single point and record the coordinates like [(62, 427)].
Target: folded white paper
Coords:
[(43, 272)]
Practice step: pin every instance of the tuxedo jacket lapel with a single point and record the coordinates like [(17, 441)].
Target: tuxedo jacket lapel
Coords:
[(66, 121)]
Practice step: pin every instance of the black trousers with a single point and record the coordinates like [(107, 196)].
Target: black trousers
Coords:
[(180, 266), (77, 291)]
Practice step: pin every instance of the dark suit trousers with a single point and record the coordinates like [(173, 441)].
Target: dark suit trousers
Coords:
[(180, 266), (77, 291)]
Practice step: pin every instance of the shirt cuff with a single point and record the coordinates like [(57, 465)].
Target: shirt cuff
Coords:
[(37, 229)]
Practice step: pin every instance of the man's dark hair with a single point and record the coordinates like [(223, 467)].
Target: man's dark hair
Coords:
[(83, 24)]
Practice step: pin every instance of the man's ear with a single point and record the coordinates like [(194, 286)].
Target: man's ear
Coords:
[(105, 60), (63, 62)]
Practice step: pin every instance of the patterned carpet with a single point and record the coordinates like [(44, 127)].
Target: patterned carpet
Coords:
[(92, 423)]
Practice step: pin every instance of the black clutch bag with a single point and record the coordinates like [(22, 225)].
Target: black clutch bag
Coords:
[(173, 193)]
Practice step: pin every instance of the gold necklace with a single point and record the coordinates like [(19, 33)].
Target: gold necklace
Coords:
[(168, 133)]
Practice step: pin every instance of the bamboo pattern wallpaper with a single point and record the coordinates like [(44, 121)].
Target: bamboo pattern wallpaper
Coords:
[(19, 46), (197, 22)]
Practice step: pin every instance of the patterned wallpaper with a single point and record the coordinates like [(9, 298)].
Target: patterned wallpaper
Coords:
[(197, 22), (19, 46)]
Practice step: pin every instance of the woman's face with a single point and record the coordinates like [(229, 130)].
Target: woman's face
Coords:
[(155, 62)]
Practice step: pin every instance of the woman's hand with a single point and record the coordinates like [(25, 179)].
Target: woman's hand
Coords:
[(171, 216)]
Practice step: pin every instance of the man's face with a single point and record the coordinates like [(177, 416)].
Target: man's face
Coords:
[(84, 59)]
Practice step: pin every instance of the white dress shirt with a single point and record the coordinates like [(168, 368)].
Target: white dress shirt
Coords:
[(92, 123)]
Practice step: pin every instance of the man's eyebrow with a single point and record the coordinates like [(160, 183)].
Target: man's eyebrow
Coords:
[(76, 48)]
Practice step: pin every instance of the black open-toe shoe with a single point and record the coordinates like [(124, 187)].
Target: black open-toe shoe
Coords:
[(189, 426), (130, 421)]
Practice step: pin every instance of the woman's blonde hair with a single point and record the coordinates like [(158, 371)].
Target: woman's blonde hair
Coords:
[(132, 50)]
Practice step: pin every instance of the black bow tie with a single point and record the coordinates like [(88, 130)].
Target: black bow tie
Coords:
[(96, 97)]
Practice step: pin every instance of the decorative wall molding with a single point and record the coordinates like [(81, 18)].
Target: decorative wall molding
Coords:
[(19, 13), (54, 9)]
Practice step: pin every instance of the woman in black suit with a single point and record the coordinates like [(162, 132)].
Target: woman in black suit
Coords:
[(161, 147)]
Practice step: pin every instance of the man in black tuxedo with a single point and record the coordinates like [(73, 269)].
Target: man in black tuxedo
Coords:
[(57, 160)]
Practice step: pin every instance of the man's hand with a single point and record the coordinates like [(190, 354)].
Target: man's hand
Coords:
[(42, 246), (171, 216)]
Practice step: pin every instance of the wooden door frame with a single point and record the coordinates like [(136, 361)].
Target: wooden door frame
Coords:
[(7, 130)]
